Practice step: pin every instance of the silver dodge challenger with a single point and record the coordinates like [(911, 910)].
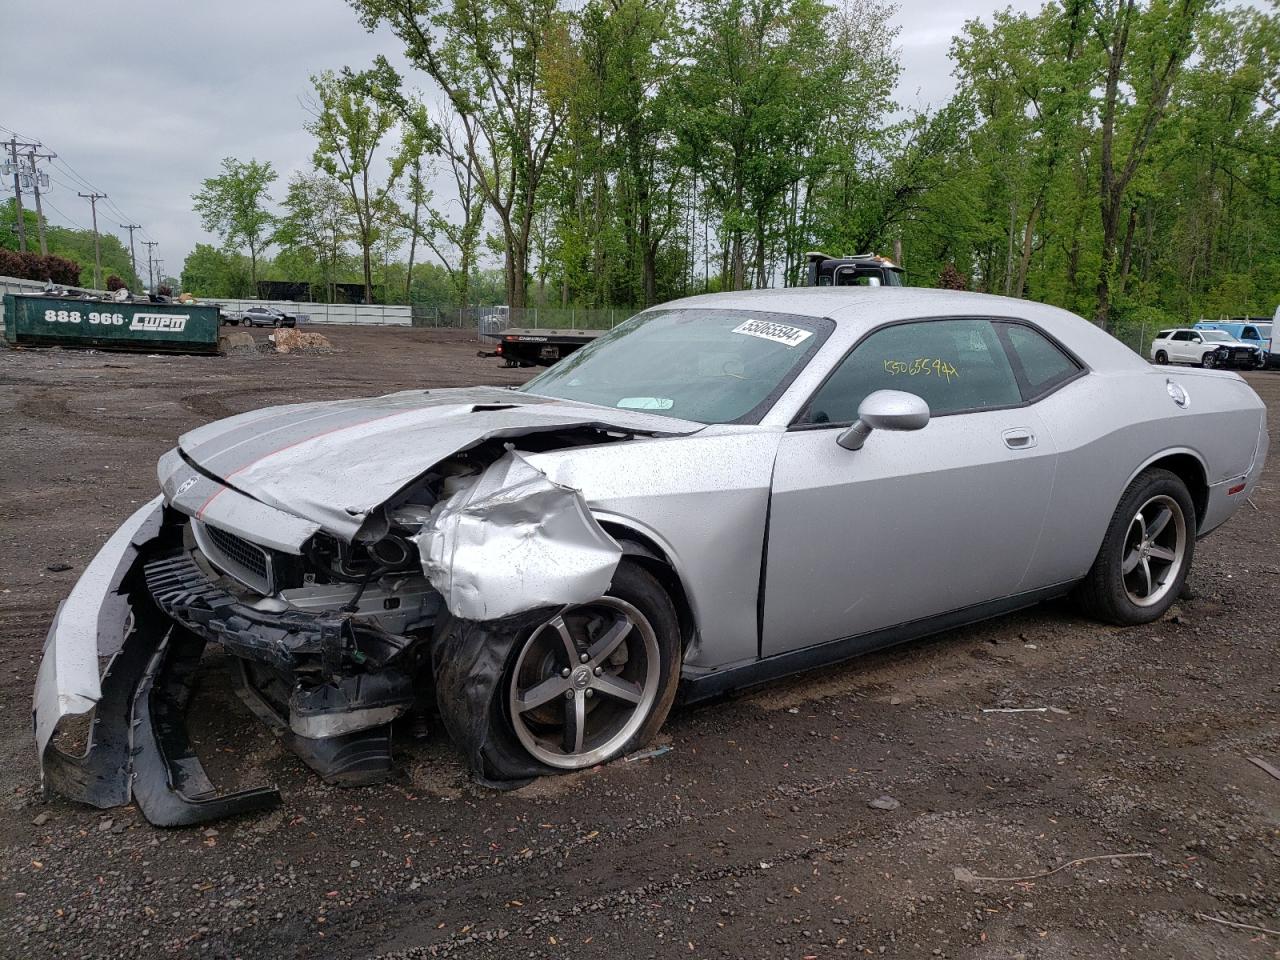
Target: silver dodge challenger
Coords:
[(723, 490)]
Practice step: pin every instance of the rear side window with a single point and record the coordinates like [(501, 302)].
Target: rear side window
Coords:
[(1039, 364), (955, 365), (1163, 334)]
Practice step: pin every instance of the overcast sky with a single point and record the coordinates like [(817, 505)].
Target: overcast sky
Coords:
[(144, 107)]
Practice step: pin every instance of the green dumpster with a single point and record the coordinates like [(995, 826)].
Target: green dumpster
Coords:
[(37, 321)]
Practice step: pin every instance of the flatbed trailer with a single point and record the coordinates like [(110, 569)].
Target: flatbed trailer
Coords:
[(531, 347)]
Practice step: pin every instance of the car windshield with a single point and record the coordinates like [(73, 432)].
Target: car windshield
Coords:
[(1218, 336), (709, 366)]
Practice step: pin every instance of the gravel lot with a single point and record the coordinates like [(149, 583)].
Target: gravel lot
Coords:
[(753, 837)]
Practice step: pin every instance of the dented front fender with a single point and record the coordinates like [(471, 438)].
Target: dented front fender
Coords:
[(514, 541)]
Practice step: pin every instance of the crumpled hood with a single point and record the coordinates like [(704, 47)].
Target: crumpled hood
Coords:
[(334, 462)]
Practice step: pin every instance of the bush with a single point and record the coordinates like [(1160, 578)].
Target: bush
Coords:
[(114, 283), (10, 263), (952, 279), (33, 266), (61, 270)]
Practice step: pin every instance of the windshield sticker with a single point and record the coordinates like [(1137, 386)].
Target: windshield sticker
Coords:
[(646, 403), (921, 366), (782, 333)]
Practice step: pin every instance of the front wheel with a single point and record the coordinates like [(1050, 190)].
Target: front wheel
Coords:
[(1209, 361), (1146, 554), (596, 680)]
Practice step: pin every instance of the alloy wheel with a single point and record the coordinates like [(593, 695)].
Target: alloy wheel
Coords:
[(1155, 548), (584, 683)]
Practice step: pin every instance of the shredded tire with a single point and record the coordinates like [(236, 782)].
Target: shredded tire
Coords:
[(473, 662)]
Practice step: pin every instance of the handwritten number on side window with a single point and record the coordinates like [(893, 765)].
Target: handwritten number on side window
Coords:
[(922, 367)]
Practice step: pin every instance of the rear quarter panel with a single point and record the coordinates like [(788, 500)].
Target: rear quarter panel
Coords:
[(1108, 427)]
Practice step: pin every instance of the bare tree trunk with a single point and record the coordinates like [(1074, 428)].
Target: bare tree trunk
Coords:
[(761, 278), (1008, 258), (1028, 236), (1126, 253)]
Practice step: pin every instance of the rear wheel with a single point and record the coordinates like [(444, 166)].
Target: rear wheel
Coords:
[(596, 680), (1147, 552), (1162, 357)]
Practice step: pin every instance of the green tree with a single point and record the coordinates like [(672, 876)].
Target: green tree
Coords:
[(317, 218), (233, 205), (1144, 50), (210, 272), (351, 122), (505, 67), (455, 240)]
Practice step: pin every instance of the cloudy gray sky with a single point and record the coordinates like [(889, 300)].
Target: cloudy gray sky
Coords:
[(143, 101)]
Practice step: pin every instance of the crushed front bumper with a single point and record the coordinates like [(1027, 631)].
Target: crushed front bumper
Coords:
[(120, 661), (136, 746)]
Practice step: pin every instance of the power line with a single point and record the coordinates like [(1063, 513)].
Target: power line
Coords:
[(78, 182), (75, 223), (133, 260), (93, 199), (151, 278)]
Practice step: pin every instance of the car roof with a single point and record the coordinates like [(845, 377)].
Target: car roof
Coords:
[(857, 310)]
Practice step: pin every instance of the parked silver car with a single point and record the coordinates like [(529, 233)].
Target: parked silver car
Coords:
[(720, 491)]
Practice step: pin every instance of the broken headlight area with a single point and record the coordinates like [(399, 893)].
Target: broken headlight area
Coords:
[(330, 657)]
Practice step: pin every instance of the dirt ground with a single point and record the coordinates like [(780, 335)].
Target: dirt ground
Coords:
[(752, 837)]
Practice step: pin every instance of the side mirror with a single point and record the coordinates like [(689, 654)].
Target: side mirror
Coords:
[(885, 410)]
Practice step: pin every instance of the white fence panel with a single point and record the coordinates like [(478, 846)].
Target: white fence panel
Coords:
[(372, 314)]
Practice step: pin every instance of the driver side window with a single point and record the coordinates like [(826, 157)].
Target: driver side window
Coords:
[(954, 365)]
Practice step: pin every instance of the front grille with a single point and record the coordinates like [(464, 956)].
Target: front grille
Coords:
[(240, 550), (236, 556)]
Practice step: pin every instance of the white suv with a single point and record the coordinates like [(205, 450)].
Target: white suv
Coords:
[(1206, 348)]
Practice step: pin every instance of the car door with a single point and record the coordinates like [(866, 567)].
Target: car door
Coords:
[(1193, 347), (913, 524)]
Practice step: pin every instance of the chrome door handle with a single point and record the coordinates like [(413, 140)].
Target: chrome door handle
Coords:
[(1019, 438)]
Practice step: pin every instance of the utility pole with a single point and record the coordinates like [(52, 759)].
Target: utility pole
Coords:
[(133, 260), (36, 183), (160, 272), (151, 279), (93, 199), (14, 147)]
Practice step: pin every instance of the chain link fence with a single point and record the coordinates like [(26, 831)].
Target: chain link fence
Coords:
[(489, 321)]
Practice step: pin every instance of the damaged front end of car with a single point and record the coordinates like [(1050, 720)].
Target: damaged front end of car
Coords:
[(332, 635)]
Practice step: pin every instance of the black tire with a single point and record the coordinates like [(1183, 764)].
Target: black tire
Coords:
[(1161, 357), (1103, 593), (1208, 360), (501, 758)]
